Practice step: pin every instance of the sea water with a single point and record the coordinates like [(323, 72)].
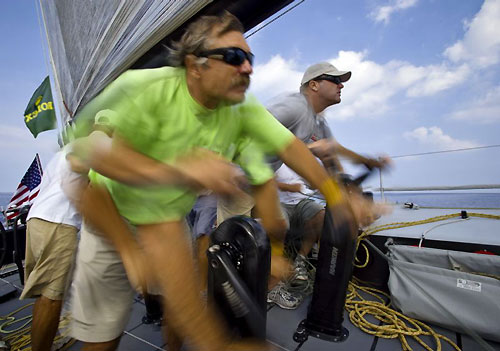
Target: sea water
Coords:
[(444, 199), (423, 199)]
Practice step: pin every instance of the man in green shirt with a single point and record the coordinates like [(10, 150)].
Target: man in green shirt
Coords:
[(177, 130)]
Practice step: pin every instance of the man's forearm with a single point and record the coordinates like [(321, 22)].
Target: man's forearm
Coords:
[(268, 209), (353, 156), (131, 167), (118, 161), (299, 158)]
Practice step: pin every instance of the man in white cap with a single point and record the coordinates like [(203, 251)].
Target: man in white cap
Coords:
[(301, 113)]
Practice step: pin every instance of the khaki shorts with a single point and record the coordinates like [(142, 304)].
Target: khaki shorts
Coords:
[(302, 212), (50, 250), (234, 206), (298, 215), (102, 296)]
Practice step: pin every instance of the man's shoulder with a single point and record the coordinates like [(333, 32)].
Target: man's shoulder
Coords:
[(288, 108), (138, 78), (288, 99)]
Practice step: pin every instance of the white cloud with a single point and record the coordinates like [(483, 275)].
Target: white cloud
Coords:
[(383, 13), (368, 93), (435, 78), (373, 85), (480, 45), (483, 110), (434, 137), (275, 77)]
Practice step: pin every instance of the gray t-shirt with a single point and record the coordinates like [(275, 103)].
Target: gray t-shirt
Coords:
[(294, 112)]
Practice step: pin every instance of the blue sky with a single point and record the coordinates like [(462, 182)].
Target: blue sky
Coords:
[(426, 77)]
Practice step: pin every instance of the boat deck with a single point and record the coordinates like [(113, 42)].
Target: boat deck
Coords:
[(281, 324)]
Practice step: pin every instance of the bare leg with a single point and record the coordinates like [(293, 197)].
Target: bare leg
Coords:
[(313, 229), (46, 313), (169, 253), (174, 341), (101, 346), (202, 244)]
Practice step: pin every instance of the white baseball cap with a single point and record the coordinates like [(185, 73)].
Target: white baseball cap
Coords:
[(321, 68)]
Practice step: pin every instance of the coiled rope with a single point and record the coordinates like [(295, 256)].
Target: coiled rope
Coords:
[(20, 338), (393, 324)]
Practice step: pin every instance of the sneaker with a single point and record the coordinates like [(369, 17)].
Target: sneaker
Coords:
[(283, 298), (300, 269)]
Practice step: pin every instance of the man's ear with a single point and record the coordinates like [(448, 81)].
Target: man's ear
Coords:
[(313, 85), (192, 66)]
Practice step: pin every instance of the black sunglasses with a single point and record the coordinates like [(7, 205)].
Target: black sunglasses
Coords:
[(333, 79), (233, 56)]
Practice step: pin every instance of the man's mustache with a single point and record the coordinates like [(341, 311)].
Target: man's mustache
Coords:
[(241, 81)]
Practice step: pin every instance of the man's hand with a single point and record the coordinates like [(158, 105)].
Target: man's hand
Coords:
[(281, 267), (134, 261), (290, 187), (380, 162), (323, 148), (366, 211), (204, 169)]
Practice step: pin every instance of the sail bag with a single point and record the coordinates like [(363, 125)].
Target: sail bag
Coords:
[(453, 289)]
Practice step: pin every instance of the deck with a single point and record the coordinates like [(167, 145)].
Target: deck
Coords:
[(281, 324)]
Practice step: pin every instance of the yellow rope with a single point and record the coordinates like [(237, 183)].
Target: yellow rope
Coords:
[(20, 338), (10, 319), (397, 225), (394, 324)]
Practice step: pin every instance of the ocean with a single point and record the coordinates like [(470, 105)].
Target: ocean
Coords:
[(429, 199), (447, 199)]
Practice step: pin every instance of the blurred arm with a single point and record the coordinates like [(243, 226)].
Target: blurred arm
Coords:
[(201, 169)]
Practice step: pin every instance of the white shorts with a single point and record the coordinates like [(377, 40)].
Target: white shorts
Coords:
[(102, 294)]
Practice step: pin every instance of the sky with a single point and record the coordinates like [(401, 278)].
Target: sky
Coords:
[(425, 78)]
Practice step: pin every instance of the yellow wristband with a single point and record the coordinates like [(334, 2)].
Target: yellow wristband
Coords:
[(331, 191)]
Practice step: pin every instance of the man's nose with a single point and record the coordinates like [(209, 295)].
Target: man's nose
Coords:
[(245, 67)]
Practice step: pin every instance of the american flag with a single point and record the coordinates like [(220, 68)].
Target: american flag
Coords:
[(28, 188)]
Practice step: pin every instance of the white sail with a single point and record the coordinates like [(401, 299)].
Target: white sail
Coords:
[(92, 41)]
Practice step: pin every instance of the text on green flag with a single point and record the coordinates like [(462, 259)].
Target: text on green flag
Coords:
[(40, 114)]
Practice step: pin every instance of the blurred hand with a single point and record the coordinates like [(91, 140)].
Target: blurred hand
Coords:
[(366, 211), (295, 188), (322, 148), (281, 267), (380, 162), (137, 270), (205, 169)]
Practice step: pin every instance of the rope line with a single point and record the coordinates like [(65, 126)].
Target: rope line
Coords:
[(274, 19), (20, 338), (393, 323), (445, 151)]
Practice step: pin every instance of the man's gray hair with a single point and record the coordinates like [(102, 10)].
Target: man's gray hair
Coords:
[(200, 33)]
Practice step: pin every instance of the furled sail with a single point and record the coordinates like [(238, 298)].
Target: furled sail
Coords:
[(91, 42)]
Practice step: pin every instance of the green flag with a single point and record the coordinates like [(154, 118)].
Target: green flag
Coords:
[(40, 114)]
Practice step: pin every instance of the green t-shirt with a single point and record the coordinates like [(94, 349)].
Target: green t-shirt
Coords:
[(158, 117)]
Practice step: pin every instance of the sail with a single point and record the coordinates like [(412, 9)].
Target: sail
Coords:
[(92, 42)]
